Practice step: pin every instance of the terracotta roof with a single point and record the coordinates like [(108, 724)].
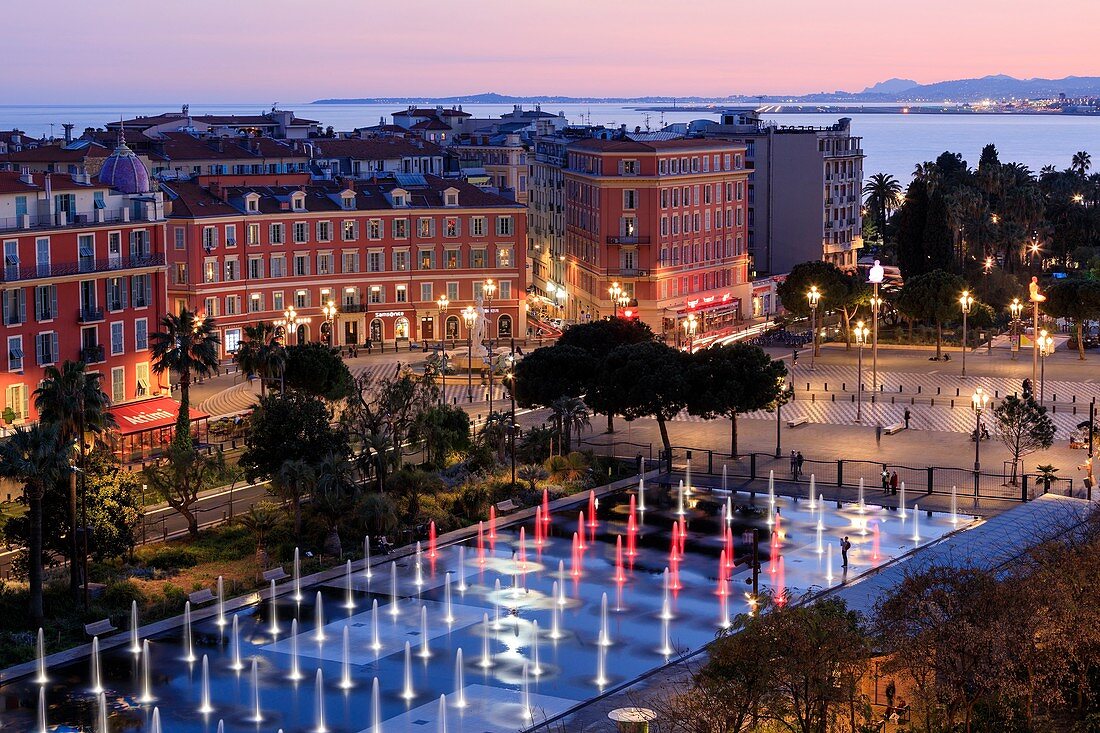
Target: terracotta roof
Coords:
[(54, 154), (142, 123), (179, 146), (432, 124), (382, 148), (10, 183), (651, 146)]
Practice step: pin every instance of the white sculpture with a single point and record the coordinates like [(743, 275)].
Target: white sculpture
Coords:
[(477, 335)]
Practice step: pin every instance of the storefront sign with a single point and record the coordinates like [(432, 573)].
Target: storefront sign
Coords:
[(389, 314)]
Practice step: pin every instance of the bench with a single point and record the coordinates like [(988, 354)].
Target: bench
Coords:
[(99, 628), (506, 506), (895, 428), (794, 422), (200, 596), (275, 574)]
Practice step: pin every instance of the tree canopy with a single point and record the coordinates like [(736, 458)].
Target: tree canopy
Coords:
[(317, 370), (294, 426), (932, 297), (1077, 300), (653, 381)]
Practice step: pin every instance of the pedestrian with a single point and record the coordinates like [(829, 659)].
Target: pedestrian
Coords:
[(1027, 388), (845, 545), (894, 483), (794, 465), (885, 481), (878, 433), (891, 690), (799, 461), (794, 357), (907, 416)]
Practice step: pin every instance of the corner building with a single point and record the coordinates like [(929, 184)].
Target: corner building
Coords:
[(383, 249), (666, 219)]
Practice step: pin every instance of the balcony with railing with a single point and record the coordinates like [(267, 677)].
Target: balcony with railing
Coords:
[(13, 272), (635, 239), (90, 314), (59, 220), (628, 272), (92, 354)]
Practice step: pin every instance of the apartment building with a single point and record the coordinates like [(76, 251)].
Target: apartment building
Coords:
[(501, 158), (83, 279), (367, 156), (383, 249), (665, 219), (805, 189), (276, 123)]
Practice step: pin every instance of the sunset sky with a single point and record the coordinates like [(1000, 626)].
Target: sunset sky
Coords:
[(291, 50)]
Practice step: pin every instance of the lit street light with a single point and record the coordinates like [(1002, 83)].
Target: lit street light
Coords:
[(814, 297), (690, 326), (978, 401), (1046, 348), (875, 277), (615, 291), (780, 400), (469, 317), (330, 312), (966, 302), (861, 333), (1015, 308), (443, 303), (490, 289)]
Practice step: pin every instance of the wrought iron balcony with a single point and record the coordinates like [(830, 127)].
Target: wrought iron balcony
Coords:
[(55, 269), (89, 314), (92, 354)]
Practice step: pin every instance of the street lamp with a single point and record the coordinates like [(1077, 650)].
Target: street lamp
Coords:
[(978, 401), (624, 300), (615, 291), (690, 326), (780, 400), (861, 338), (489, 289), (329, 310), (875, 277), (1015, 308), (469, 316), (1046, 348), (966, 301), (561, 295), (814, 297), (443, 304)]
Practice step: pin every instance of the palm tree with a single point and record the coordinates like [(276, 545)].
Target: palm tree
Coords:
[(571, 416), (1081, 163), (38, 457), (187, 346), (567, 469), (883, 196), (261, 354), (928, 174), (334, 488), (532, 472), (70, 399), (295, 479), (260, 520)]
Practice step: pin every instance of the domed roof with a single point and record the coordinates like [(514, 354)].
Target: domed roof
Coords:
[(123, 170)]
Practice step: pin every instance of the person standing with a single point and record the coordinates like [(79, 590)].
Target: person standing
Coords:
[(798, 461), (845, 545), (878, 433), (894, 483), (794, 465), (885, 481), (907, 416)]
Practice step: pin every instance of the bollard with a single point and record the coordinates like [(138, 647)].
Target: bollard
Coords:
[(1055, 399), (843, 386), (853, 399), (931, 474), (952, 404), (826, 386), (1075, 409), (891, 399), (996, 395), (1074, 399), (918, 389), (937, 390), (901, 388), (839, 472), (932, 402), (1053, 409), (807, 386), (752, 466), (813, 397), (833, 396), (957, 392)]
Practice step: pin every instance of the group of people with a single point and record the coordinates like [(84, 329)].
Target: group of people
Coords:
[(796, 464), (897, 711), (889, 482)]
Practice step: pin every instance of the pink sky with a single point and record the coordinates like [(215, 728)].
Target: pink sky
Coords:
[(298, 50)]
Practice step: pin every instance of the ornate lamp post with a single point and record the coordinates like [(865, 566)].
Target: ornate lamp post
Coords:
[(875, 277), (861, 333), (443, 303), (779, 402), (978, 402), (615, 291), (624, 301), (1036, 298), (489, 289), (691, 324), (813, 297), (1046, 348), (330, 312), (966, 302), (469, 316), (289, 323), (1015, 308)]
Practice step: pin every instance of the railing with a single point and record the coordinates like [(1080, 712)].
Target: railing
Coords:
[(53, 221), (33, 272), (628, 240), (629, 272), (89, 314), (92, 354), (354, 308)]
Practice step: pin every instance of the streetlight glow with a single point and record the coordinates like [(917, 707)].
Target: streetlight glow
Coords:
[(966, 301), (813, 297), (861, 334)]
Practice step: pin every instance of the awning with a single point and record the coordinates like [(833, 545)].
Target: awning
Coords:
[(159, 412)]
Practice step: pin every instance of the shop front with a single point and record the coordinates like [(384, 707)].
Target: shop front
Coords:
[(390, 325), (146, 428), (713, 314)]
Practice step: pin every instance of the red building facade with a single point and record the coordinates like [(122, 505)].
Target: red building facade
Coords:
[(666, 220), (83, 280), (383, 250)]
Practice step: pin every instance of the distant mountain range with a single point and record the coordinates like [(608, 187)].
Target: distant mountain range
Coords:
[(996, 87)]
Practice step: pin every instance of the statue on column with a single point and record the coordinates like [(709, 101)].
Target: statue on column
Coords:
[(478, 334), (1033, 288)]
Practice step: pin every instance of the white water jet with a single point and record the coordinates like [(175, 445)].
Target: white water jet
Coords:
[(375, 638), (319, 703), (221, 601), (461, 569), (188, 644), (641, 492), (349, 588), (375, 707), (724, 478), (235, 646), (441, 724), (605, 630), (820, 539), (601, 666), (97, 680), (295, 673), (666, 636), (460, 672), (146, 675), (254, 677), (42, 678), (771, 493), (813, 492), (525, 694), (821, 511), (829, 563), (916, 523), (345, 661), (729, 510), (954, 506), (204, 705), (319, 613), (666, 598), (687, 478), (274, 629), (297, 576), (154, 727), (407, 691), (135, 641), (862, 507), (424, 652), (536, 666), (368, 573), (723, 610), (394, 611), (419, 567), (448, 608), (43, 727), (101, 716), (901, 499), (496, 605), (486, 660), (680, 498)]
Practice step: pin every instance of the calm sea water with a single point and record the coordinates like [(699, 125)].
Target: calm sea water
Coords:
[(893, 143)]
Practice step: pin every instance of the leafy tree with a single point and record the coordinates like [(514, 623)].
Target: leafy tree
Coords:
[(939, 239), (181, 475), (910, 220), (71, 399), (334, 498), (932, 297), (571, 417), (261, 519), (552, 372), (598, 339), (260, 354), (318, 370), (294, 426), (883, 193), (653, 380), (295, 480), (1076, 300), (726, 381), (443, 429), (494, 433), (367, 427), (1081, 163), (39, 458), (1023, 426), (401, 401), (188, 346), (839, 290)]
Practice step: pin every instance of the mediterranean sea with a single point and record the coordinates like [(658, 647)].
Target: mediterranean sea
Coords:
[(893, 143)]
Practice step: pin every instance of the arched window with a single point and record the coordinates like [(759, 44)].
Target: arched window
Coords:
[(504, 326), (401, 328), (452, 327), (376, 332)]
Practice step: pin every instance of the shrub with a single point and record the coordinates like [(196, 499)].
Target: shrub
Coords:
[(120, 594), (168, 557)]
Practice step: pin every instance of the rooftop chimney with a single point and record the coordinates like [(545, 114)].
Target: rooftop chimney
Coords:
[(25, 174), (68, 132)]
